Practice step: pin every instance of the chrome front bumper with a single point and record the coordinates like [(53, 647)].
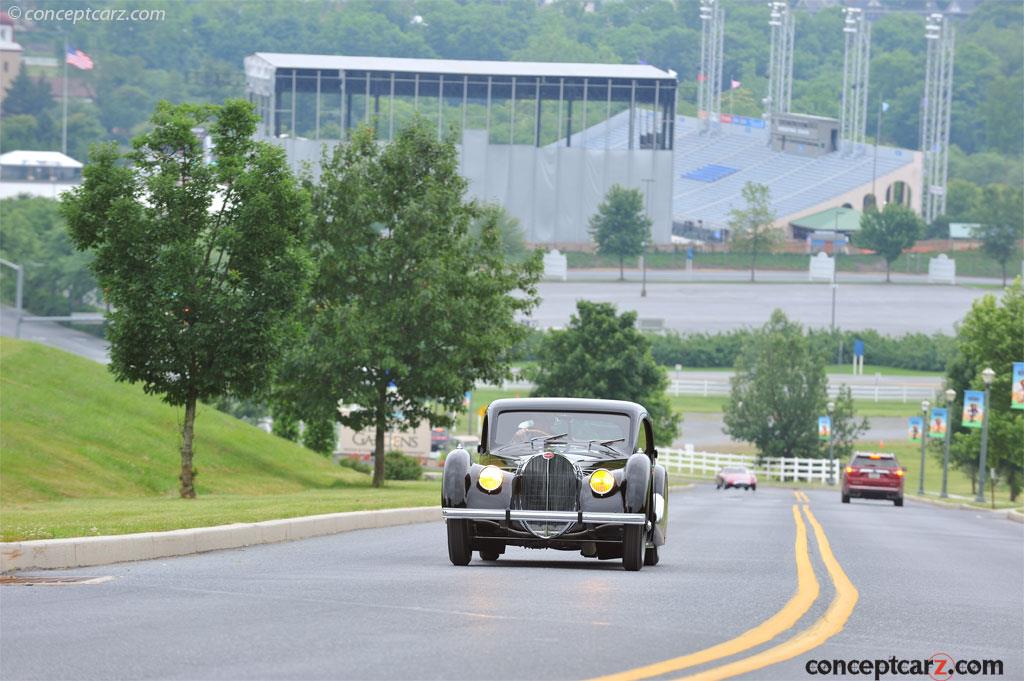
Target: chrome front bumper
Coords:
[(497, 515)]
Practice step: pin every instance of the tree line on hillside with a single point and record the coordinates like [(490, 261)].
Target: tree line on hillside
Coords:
[(139, 63)]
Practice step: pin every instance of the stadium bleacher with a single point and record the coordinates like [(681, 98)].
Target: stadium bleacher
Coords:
[(710, 171)]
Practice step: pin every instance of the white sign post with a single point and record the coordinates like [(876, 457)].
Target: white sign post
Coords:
[(822, 268), (556, 265), (942, 270)]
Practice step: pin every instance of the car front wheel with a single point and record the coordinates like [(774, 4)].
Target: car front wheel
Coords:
[(460, 549), (651, 556), (898, 501), (633, 544)]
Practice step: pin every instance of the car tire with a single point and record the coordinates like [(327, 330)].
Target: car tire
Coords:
[(753, 488), (489, 555), (718, 485), (633, 545), (846, 498), (898, 501), (460, 549), (651, 556)]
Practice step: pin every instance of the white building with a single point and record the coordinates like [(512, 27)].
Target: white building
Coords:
[(38, 173)]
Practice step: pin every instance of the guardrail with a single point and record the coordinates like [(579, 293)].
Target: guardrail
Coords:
[(705, 464)]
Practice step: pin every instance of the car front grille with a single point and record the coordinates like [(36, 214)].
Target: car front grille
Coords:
[(547, 485)]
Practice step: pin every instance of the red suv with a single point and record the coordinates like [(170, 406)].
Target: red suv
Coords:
[(874, 476)]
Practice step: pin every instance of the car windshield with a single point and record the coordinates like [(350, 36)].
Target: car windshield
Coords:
[(880, 462), (596, 429), (734, 469)]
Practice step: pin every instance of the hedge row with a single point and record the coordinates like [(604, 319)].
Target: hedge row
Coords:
[(910, 351), (707, 350)]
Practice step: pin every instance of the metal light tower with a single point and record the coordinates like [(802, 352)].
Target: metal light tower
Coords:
[(780, 64), (938, 96), (709, 87), (856, 63)]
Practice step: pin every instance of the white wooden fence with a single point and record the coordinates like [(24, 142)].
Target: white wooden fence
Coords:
[(902, 393), (706, 464)]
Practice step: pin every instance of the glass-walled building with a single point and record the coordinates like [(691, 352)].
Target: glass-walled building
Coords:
[(535, 137)]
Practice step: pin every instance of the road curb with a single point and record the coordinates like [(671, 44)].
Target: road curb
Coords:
[(1015, 516), (56, 554)]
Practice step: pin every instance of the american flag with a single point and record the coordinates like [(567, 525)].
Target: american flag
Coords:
[(79, 59)]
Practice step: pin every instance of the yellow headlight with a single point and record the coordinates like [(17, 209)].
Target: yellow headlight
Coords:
[(602, 481), (490, 478)]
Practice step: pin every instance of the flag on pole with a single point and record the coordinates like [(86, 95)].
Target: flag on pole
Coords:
[(78, 59), (734, 84), (885, 106), (701, 77)]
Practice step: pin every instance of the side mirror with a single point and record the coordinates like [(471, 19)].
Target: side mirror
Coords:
[(654, 453), (480, 448)]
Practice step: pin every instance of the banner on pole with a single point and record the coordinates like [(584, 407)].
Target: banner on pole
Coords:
[(915, 425), (1017, 391), (938, 422), (824, 427), (974, 408)]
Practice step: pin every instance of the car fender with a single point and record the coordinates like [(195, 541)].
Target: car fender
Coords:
[(455, 482), (637, 477), (660, 509)]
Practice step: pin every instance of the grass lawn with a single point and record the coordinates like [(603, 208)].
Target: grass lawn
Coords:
[(81, 451), (968, 263), (85, 517)]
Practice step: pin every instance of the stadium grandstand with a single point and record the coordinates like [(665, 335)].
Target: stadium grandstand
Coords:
[(514, 124), (710, 171)]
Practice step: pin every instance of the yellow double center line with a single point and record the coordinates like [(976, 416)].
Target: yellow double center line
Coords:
[(807, 590)]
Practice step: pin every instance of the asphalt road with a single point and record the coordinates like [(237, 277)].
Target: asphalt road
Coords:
[(55, 335), (386, 604), (712, 307)]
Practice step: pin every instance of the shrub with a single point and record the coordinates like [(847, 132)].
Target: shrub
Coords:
[(398, 466), (354, 464)]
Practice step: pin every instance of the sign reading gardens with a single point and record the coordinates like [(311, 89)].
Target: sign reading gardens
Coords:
[(413, 442)]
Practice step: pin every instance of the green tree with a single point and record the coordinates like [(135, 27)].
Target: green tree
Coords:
[(603, 355), (513, 242), (58, 280), (1001, 215), (752, 227), (28, 97), (320, 435), (203, 263), (778, 391), (889, 232), (846, 429), (407, 310), (620, 227), (990, 336)]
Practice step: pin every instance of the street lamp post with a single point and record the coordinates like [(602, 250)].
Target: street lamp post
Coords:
[(987, 375), (831, 407), (950, 397), (924, 443)]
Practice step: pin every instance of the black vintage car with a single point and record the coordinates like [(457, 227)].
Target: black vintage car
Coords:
[(569, 474)]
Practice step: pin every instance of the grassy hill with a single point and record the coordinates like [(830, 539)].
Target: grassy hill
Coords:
[(83, 454)]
